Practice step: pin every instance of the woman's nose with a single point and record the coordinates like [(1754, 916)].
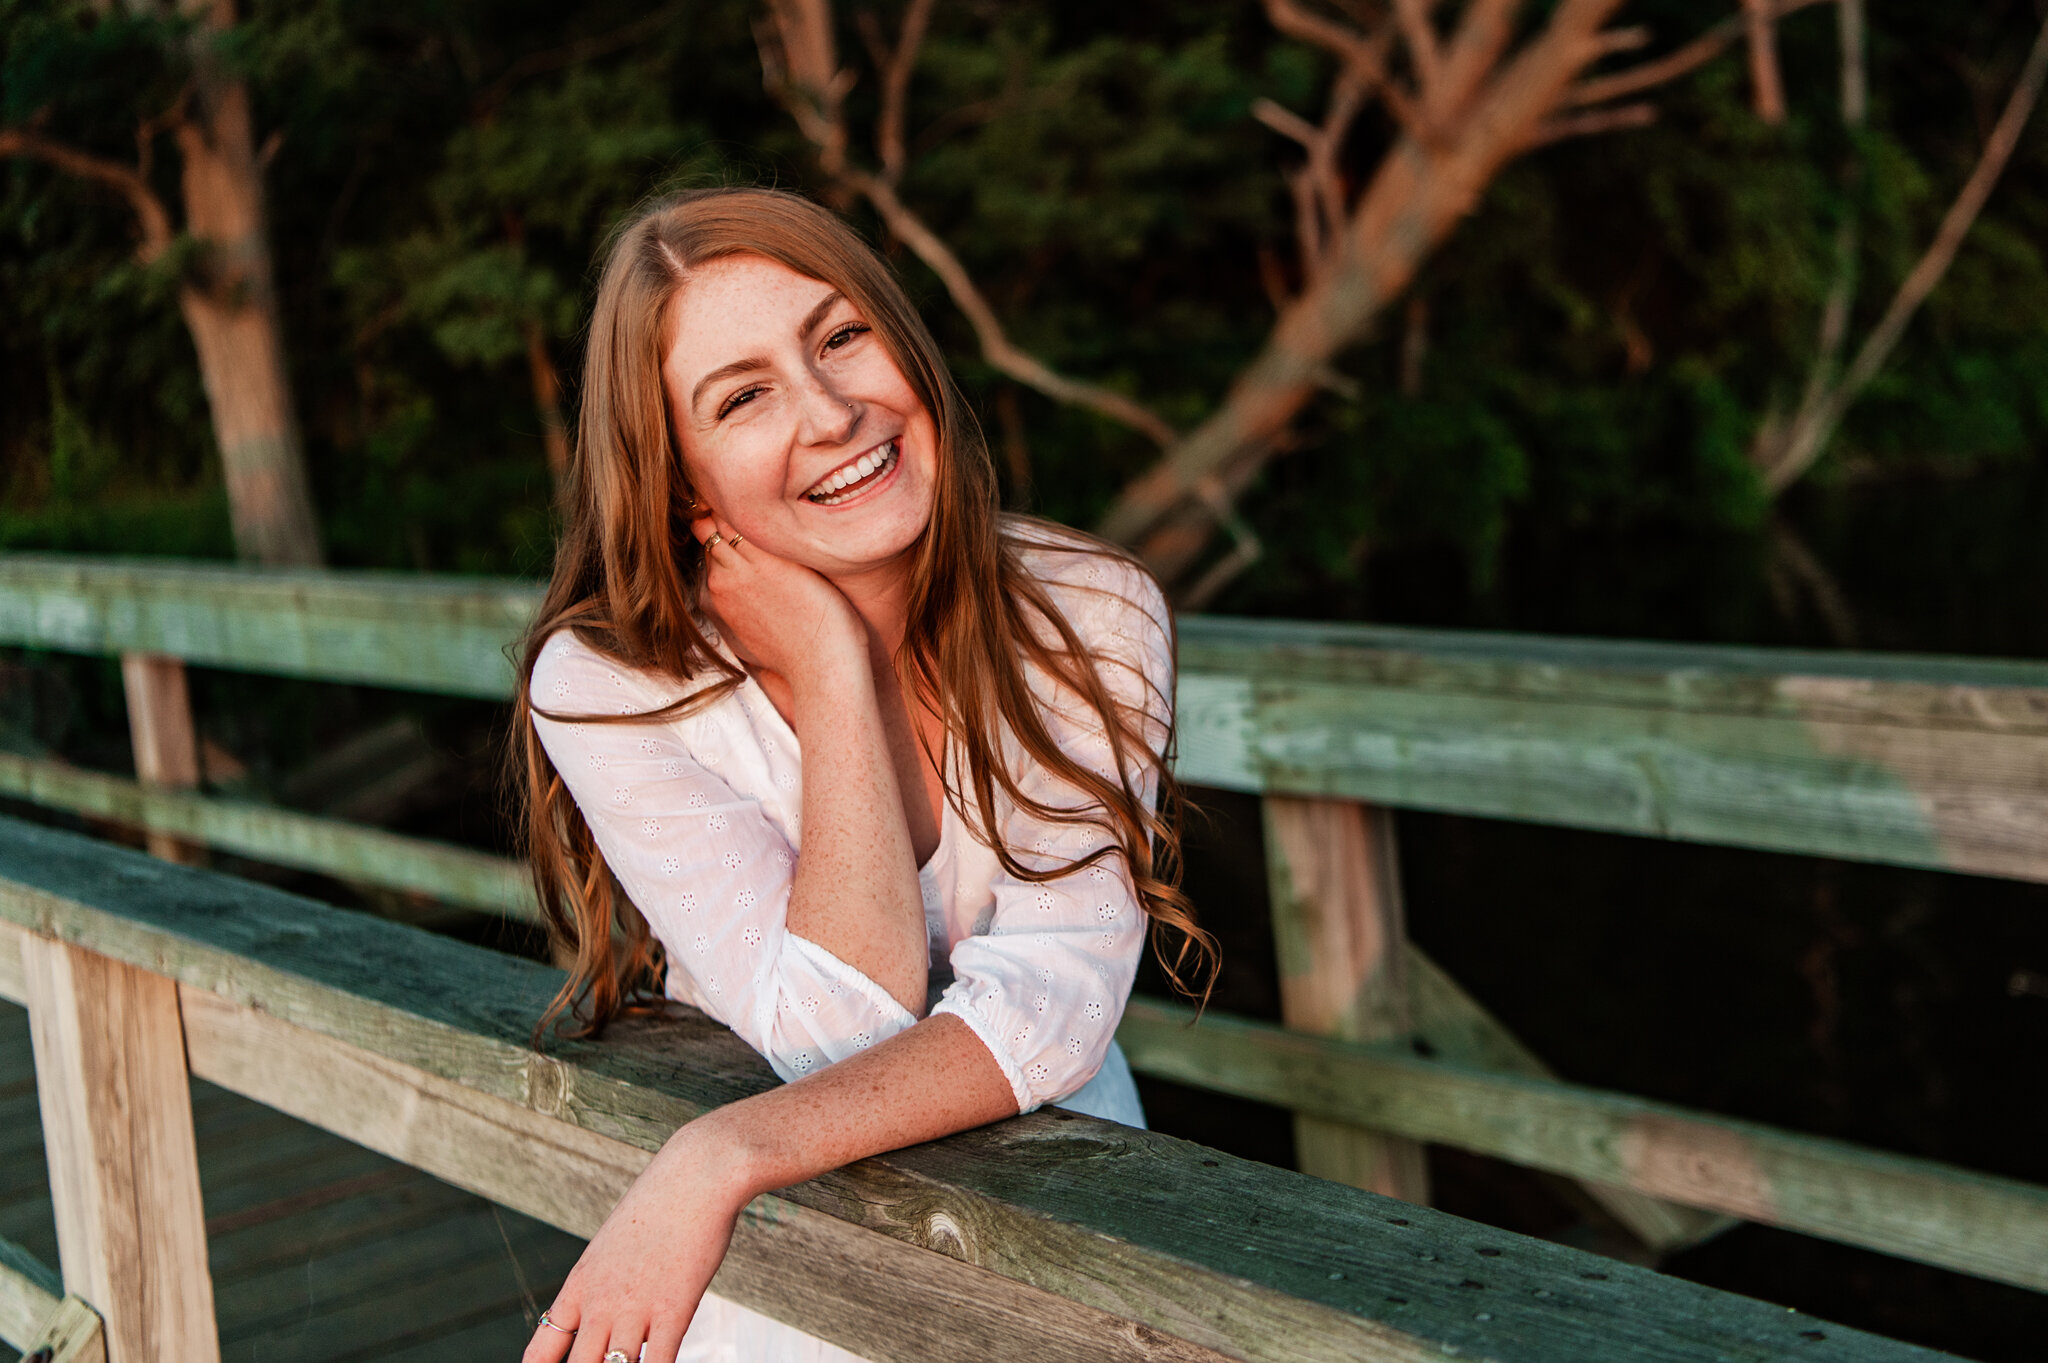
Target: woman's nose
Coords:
[(827, 418)]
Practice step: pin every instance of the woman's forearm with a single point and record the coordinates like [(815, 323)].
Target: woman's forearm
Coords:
[(856, 892), (932, 1080)]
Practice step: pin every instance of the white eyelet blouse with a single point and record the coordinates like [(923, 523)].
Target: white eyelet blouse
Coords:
[(700, 818)]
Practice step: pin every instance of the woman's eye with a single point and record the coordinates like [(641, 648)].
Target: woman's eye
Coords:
[(744, 395), (844, 334)]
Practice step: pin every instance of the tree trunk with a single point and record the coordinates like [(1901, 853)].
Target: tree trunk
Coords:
[(231, 309)]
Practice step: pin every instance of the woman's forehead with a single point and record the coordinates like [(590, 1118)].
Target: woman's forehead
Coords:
[(738, 292)]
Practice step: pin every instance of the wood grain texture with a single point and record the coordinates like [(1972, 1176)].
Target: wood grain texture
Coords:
[(162, 735), (124, 1168), (72, 1334), (1339, 931), (283, 837), (1458, 1030), (1995, 1228), (1252, 1262), (29, 1292), (1899, 759), (880, 1298)]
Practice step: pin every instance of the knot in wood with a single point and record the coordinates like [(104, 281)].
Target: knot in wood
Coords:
[(943, 1233), (550, 1085)]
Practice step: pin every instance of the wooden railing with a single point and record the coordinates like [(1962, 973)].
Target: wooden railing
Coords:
[(1047, 1237), (1928, 762)]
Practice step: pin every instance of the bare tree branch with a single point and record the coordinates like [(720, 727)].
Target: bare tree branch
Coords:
[(1359, 52), (151, 217), (800, 66), (896, 88), (1593, 122), (1803, 443), (1671, 66), (1767, 86)]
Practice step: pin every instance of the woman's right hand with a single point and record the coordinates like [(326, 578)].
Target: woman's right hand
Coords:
[(778, 616)]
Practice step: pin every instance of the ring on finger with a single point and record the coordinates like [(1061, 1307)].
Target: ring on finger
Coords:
[(735, 541), (559, 1329), (617, 1356), (716, 538)]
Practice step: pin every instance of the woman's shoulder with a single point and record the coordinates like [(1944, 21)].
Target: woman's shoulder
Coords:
[(571, 673), (1096, 585)]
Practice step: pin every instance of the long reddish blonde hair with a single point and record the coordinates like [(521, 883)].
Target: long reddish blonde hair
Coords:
[(627, 573)]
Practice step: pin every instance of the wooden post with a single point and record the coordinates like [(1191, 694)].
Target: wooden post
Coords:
[(165, 740), (124, 1167), (1338, 923)]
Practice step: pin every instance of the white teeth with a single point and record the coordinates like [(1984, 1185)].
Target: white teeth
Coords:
[(862, 468)]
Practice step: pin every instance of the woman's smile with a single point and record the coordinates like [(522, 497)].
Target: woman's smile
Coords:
[(857, 477)]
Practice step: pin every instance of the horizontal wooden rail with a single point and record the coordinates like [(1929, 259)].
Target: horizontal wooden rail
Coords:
[(283, 837), (1918, 1209), (1899, 759), (1050, 1236), (29, 1293)]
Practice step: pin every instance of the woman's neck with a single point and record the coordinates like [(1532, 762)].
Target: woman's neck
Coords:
[(881, 598)]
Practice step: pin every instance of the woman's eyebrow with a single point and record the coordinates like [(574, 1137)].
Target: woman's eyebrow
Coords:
[(726, 371)]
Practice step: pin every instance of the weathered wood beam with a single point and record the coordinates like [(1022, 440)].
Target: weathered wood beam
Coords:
[(1994, 1228), (73, 1333), (1899, 759), (282, 837), (29, 1292), (400, 630), (1339, 937), (1902, 760), (1172, 1239), (124, 1167)]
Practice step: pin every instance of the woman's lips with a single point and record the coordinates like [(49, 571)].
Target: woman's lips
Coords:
[(855, 476)]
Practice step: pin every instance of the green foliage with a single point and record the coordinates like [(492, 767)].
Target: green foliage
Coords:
[(1598, 343)]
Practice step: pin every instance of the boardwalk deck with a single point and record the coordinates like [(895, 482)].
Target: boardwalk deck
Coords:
[(322, 1251)]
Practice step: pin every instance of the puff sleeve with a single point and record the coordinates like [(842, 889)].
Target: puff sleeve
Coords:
[(1044, 985), (710, 869)]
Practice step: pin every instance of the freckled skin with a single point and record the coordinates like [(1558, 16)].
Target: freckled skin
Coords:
[(814, 602)]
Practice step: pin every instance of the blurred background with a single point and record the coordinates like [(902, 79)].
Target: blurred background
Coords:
[(1741, 338)]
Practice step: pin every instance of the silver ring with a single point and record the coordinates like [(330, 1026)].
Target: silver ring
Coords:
[(558, 1329), (616, 1356), (716, 538)]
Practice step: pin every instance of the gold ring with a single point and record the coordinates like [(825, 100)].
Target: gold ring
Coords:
[(552, 1326), (716, 538), (734, 541)]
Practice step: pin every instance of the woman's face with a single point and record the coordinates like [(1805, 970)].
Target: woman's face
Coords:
[(797, 428)]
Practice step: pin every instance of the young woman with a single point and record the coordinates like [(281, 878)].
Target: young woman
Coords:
[(877, 767)]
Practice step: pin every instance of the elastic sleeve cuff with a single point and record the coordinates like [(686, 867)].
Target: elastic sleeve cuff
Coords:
[(894, 1015), (984, 1029)]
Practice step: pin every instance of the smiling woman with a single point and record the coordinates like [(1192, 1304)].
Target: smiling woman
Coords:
[(880, 771)]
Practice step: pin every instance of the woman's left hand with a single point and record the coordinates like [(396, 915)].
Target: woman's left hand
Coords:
[(643, 1273)]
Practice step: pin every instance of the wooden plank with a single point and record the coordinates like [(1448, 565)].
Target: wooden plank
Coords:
[(403, 630), (800, 1265), (164, 739), (1899, 759), (1162, 1237), (29, 1292), (1338, 929), (1887, 758), (72, 1334), (1994, 1228), (282, 837), (124, 1169), (1457, 1029)]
